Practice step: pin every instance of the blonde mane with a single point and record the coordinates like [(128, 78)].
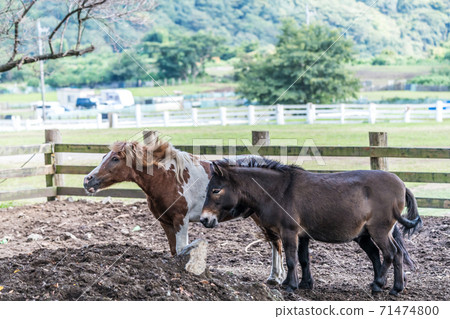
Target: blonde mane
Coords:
[(157, 152)]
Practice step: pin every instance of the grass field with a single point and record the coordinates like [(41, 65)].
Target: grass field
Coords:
[(137, 92), (410, 95), (26, 98), (426, 134)]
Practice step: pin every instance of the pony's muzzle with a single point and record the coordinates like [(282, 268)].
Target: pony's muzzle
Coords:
[(209, 223), (90, 184), (208, 220)]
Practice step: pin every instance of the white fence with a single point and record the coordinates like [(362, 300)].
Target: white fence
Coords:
[(251, 115)]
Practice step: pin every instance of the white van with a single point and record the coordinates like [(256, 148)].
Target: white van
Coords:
[(117, 97)]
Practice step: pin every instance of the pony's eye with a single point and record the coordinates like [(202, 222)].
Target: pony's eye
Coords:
[(115, 159), (216, 191)]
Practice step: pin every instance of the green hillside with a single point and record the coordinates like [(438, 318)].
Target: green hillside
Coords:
[(408, 27), (404, 26)]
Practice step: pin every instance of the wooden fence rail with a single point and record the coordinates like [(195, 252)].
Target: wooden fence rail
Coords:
[(335, 151), (53, 169)]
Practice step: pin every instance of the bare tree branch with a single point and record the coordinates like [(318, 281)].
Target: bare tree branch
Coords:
[(16, 28), (15, 16), (51, 56)]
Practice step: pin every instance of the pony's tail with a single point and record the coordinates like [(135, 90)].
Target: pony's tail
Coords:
[(397, 235), (412, 222)]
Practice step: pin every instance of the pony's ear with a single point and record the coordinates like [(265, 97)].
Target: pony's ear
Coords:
[(216, 169), (160, 152)]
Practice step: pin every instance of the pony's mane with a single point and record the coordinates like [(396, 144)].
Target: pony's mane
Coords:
[(157, 152), (256, 161)]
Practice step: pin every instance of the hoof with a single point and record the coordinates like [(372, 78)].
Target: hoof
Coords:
[(272, 282), (289, 289), (306, 285), (394, 292), (375, 288)]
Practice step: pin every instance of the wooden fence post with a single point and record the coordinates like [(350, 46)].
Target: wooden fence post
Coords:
[(53, 136), (113, 119), (378, 139), (342, 108), (310, 113), (251, 115), (99, 120), (223, 116), (439, 111), (194, 111), (280, 114), (138, 115), (149, 136), (407, 115), (260, 138), (372, 113), (166, 117)]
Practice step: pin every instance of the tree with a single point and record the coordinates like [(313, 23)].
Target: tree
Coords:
[(18, 21), (298, 61), (187, 56), (125, 68)]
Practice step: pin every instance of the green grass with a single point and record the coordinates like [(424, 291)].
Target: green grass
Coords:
[(26, 98), (410, 95), (6, 204), (425, 134), (137, 92), (185, 89)]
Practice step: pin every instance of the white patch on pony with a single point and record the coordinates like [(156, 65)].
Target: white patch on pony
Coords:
[(277, 273), (97, 169), (194, 190), (182, 236)]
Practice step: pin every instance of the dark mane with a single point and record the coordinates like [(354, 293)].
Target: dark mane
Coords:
[(256, 161)]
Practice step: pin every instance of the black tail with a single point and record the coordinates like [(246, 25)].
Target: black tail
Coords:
[(399, 239), (412, 222)]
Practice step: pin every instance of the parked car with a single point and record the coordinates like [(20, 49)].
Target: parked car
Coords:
[(109, 105), (51, 109), (86, 103)]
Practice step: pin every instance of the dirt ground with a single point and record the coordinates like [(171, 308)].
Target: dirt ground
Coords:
[(90, 250)]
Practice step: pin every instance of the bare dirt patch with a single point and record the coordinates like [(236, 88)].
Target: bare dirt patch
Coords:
[(88, 250)]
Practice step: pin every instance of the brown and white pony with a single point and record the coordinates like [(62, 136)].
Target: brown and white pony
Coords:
[(175, 183)]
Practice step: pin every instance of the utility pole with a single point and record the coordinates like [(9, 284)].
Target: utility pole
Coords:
[(41, 65), (307, 14)]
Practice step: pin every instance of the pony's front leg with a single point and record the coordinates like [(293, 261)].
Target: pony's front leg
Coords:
[(170, 234), (182, 236), (307, 281), (277, 273), (290, 245)]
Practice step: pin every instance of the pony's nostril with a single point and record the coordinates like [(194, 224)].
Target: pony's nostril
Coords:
[(204, 221), (89, 178)]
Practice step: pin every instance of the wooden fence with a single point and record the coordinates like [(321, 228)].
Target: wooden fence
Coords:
[(53, 170)]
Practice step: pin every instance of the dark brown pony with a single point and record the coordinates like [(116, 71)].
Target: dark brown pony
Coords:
[(296, 205)]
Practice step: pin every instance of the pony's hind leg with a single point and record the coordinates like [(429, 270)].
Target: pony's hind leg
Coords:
[(372, 251), (277, 273), (290, 245), (307, 281), (388, 249), (398, 271)]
